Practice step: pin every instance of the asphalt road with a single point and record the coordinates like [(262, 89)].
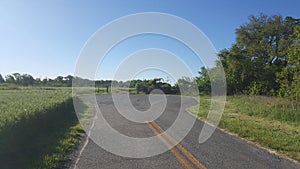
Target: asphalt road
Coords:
[(220, 151)]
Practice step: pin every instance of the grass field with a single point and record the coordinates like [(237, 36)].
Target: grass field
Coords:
[(271, 122), (38, 128)]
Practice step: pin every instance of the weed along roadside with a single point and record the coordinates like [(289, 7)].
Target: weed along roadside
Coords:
[(38, 128)]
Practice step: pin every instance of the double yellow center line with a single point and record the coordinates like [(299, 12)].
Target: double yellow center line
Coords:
[(182, 155)]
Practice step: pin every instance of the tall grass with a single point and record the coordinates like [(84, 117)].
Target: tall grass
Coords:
[(272, 108), (17, 105), (37, 128), (272, 122)]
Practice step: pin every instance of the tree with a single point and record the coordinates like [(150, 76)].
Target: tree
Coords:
[(45, 81), (59, 79), (17, 77), (1, 79), (26, 80), (203, 81), (9, 79), (260, 52), (68, 80), (187, 86), (138, 87), (166, 88), (289, 77), (37, 81), (294, 64), (261, 39), (238, 69)]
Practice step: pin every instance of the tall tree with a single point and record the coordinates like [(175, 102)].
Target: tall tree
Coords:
[(17, 77), (26, 80), (260, 52), (69, 79), (203, 81), (9, 79), (1, 79), (59, 79), (289, 77)]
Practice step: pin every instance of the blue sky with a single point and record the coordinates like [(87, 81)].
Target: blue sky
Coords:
[(44, 38)]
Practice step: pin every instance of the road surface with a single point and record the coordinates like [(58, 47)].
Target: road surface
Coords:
[(220, 151)]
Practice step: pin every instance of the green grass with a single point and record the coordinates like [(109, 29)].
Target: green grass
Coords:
[(38, 128), (58, 157), (271, 122)]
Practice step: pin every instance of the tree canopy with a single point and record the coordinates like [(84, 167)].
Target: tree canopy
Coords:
[(264, 60)]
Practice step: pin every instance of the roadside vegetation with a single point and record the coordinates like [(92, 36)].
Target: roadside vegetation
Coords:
[(271, 122), (38, 128)]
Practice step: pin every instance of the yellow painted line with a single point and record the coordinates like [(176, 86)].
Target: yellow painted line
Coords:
[(178, 156), (180, 147)]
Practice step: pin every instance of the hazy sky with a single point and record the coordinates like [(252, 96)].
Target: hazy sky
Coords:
[(44, 38)]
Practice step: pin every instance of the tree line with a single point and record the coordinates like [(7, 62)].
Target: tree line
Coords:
[(28, 80), (264, 60), (143, 86)]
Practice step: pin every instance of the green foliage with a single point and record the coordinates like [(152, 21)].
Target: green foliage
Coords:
[(135, 86), (289, 77), (257, 88), (166, 88), (146, 86), (138, 87), (264, 60), (203, 81)]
